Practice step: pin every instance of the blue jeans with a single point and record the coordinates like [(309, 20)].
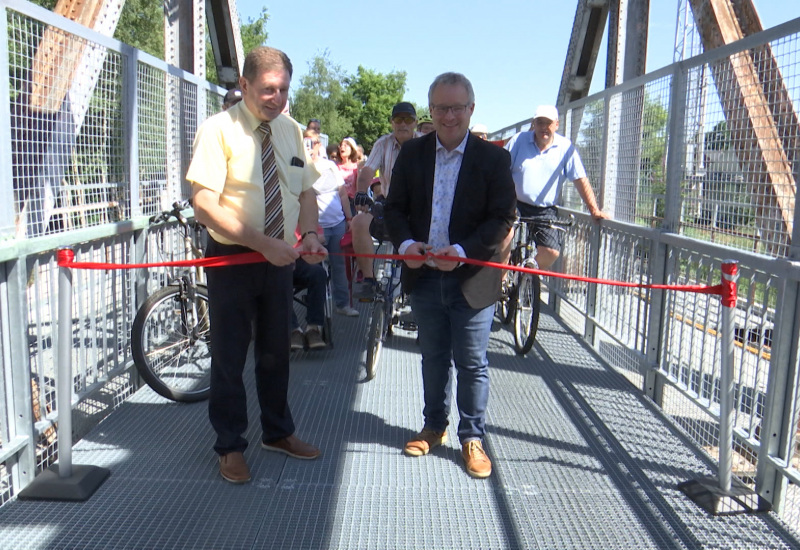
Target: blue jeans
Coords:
[(450, 331), (341, 290), (314, 278)]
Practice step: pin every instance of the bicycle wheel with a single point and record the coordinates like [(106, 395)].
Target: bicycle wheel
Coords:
[(171, 345), (375, 338), (526, 317)]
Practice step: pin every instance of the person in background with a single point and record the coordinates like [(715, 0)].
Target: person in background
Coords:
[(252, 184), (231, 98), (541, 161), (333, 153), (348, 152), (425, 125), (480, 130), (381, 160), (452, 195), (314, 279), (335, 215), (361, 157), (313, 125)]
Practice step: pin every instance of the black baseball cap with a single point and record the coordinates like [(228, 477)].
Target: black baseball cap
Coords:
[(404, 108)]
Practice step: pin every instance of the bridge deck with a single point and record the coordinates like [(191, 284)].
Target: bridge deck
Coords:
[(582, 460)]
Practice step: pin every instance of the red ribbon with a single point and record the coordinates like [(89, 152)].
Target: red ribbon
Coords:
[(66, 258)]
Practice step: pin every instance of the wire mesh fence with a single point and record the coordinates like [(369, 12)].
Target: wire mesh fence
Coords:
[(99, 139)]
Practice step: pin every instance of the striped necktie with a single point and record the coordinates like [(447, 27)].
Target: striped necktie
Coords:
[(273, 206)]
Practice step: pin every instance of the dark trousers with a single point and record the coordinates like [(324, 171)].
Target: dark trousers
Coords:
[(248, 302)]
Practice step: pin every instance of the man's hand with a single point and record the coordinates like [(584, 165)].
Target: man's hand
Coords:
[(447, 265), (417, 248), (278, 252), (363, 201), (598, 215), (313, 246)]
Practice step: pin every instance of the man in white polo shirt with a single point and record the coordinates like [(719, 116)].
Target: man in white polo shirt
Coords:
[(541, 161)]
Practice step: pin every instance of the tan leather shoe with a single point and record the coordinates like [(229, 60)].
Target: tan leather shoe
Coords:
[(424, 442), (298, 341), (233, 468), (314, 337), (293, 447), (475, 459)]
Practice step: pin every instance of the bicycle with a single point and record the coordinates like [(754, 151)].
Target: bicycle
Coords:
[(170, 337), (521, 292), (389, 308)]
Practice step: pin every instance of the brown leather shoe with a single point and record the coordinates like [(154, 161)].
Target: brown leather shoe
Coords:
[(293, 447), (233, 468), (424, 442), (475, 459)]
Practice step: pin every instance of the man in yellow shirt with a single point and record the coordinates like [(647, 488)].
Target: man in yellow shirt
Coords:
[(234, 153)]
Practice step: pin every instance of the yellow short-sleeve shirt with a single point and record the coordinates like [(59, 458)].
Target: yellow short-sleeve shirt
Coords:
[(227, 160)]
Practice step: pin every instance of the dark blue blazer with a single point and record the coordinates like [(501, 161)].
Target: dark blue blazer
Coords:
[(483, 211)]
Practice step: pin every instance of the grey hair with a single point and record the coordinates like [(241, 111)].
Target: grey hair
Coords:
[(451, 79)]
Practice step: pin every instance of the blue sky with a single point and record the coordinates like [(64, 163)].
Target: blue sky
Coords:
[(512, 51)]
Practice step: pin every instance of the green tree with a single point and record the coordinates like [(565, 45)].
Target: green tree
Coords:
[(372, 96), (141, 25), (422, 111), (322, 95)]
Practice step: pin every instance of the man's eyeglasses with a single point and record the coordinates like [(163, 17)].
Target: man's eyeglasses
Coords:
[(441, 110), (404, 120)]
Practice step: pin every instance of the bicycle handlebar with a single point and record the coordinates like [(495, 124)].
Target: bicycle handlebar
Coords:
[(543, 222), (176, 212)]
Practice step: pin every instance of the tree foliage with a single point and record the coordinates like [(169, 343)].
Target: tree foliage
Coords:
[(373, 96), (347, 105), (141, 25), (322, 95)]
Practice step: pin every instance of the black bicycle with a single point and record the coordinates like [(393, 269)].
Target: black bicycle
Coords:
[(170, 338), (521, 292), (390, 308)]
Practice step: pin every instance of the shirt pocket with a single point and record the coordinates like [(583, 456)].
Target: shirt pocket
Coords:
[(295, 180)]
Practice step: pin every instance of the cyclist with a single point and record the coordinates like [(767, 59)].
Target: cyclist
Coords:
[(382, 158), (541, 161)]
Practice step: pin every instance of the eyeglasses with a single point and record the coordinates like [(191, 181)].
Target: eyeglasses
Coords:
[(404, 120), (441, 110)]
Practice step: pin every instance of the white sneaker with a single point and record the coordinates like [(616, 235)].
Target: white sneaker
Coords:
[(347, 311)]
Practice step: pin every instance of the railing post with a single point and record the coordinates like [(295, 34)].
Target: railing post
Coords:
[(64, 371), (62, 481), (724, 495), (730, 276)]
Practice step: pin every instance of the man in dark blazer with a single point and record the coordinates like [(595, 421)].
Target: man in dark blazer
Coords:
[(452, 196)]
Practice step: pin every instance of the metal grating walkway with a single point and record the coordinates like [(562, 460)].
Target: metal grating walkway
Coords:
[(582, 460)]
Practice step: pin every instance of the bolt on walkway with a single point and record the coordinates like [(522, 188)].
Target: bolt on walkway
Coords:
[(581, 460)]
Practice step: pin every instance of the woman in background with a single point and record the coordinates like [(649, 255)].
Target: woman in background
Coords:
[(334, 218)]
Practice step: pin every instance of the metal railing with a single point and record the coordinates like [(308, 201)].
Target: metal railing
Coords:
[(698, 163), (96, 137)]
